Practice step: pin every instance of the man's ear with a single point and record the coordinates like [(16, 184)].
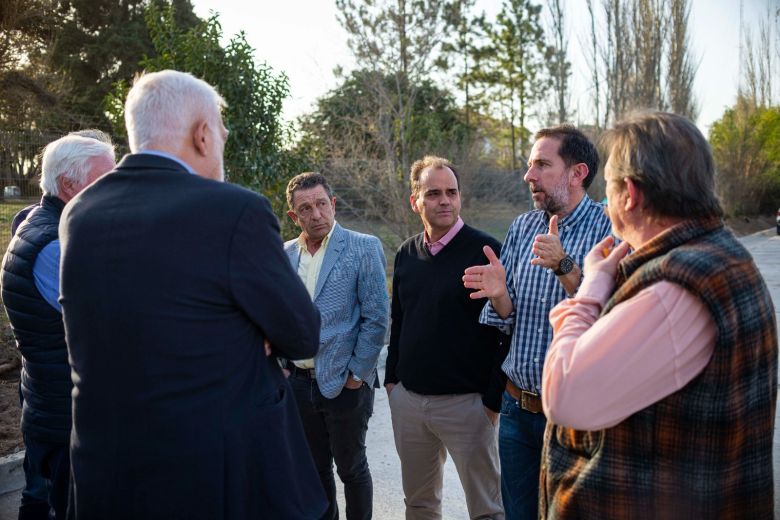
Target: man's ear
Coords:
[(634, 195), (579, 173), (413, 202), (67, 187), (292, 216), (200, 137)]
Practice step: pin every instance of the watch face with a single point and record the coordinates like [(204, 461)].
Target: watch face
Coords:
[(566, 265)]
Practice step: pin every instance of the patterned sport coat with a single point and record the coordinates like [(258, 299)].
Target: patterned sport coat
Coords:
[(351, 295)]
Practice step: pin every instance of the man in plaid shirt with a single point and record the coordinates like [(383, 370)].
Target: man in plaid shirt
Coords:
[(539, 266)]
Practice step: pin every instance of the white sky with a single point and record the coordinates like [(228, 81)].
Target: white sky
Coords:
[(304, 39)]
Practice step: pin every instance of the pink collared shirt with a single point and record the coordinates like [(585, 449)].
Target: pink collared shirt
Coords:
[(600, 371), (437, 246)]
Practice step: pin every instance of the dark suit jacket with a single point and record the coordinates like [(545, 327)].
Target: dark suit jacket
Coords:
[(169, 285)]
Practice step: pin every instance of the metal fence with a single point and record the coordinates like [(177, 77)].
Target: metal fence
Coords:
[(20, 161), (20, 169)]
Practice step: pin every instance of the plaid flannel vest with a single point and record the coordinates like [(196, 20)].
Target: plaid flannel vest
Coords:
[(705, 451)]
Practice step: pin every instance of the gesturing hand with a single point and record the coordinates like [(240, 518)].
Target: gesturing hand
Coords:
[(548, 248), (489, 280)]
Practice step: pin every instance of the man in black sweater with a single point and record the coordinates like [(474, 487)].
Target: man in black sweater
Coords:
[(442, 365)]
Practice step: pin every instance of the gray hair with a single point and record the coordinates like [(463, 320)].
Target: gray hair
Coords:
[(669, 159), (162, 106), (70, 156), (94, 133)]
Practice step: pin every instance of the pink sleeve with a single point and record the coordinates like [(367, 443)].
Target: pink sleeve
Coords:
[(598, 372)]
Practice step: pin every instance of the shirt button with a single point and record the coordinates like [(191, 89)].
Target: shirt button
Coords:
[(539, 330), (543, 300), (536, 360)]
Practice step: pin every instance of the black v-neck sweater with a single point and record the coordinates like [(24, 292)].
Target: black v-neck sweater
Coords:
[(437, 345)]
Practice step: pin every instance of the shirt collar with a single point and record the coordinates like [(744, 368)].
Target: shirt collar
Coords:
[(302, 241), (447, 236), (166, 155), (575, 216)]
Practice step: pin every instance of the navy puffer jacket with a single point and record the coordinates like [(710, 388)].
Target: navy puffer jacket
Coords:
[(38, 329)]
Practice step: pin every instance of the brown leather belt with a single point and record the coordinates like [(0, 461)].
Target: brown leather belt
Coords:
[(528, 401)]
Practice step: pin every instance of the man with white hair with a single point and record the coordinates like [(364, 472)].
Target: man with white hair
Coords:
[(92, 133), (175, 290), (30, 290)]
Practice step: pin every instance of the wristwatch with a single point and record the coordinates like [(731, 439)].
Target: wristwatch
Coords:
[(565, 266)]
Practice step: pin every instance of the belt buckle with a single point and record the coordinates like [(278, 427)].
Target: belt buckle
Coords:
[(526, 401)]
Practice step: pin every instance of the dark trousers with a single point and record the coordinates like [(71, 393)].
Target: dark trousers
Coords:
[(47, 476), (520, 440), (336, 430)]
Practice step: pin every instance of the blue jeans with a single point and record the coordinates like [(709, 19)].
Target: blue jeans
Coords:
[(47, 475), (520, 440), (35, 495)]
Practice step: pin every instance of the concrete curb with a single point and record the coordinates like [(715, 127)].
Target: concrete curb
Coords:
[(765, 233), (11, 472)]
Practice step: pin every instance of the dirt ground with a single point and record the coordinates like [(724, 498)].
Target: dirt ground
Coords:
[(748, 225), (10, 436), (10, 411)]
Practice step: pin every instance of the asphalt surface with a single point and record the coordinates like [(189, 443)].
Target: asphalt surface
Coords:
[(765, 248), (383, 460)]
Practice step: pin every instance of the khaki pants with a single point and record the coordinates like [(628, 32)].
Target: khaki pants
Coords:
[(425, 428)]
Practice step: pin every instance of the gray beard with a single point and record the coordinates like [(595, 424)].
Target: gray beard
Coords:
[(555, 200)]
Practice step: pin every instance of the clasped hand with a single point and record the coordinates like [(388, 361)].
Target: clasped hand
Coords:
[(604, 257)]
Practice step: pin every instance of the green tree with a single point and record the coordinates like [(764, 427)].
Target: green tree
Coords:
[(100, 42), (746, 146), (27, 85), (346, 135), (255, 153), (459, 46), (399, 39), (512, 65), (59, 58)]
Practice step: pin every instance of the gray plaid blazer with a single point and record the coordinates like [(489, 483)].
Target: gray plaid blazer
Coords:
[(351, 295)]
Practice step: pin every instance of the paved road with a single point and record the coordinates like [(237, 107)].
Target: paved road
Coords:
[(388, 496), (765, 248)]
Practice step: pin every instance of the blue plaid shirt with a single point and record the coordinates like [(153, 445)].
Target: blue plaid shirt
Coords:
[(535, 290)]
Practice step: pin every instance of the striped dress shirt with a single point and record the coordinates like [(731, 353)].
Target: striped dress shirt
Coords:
[(535, 290)]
